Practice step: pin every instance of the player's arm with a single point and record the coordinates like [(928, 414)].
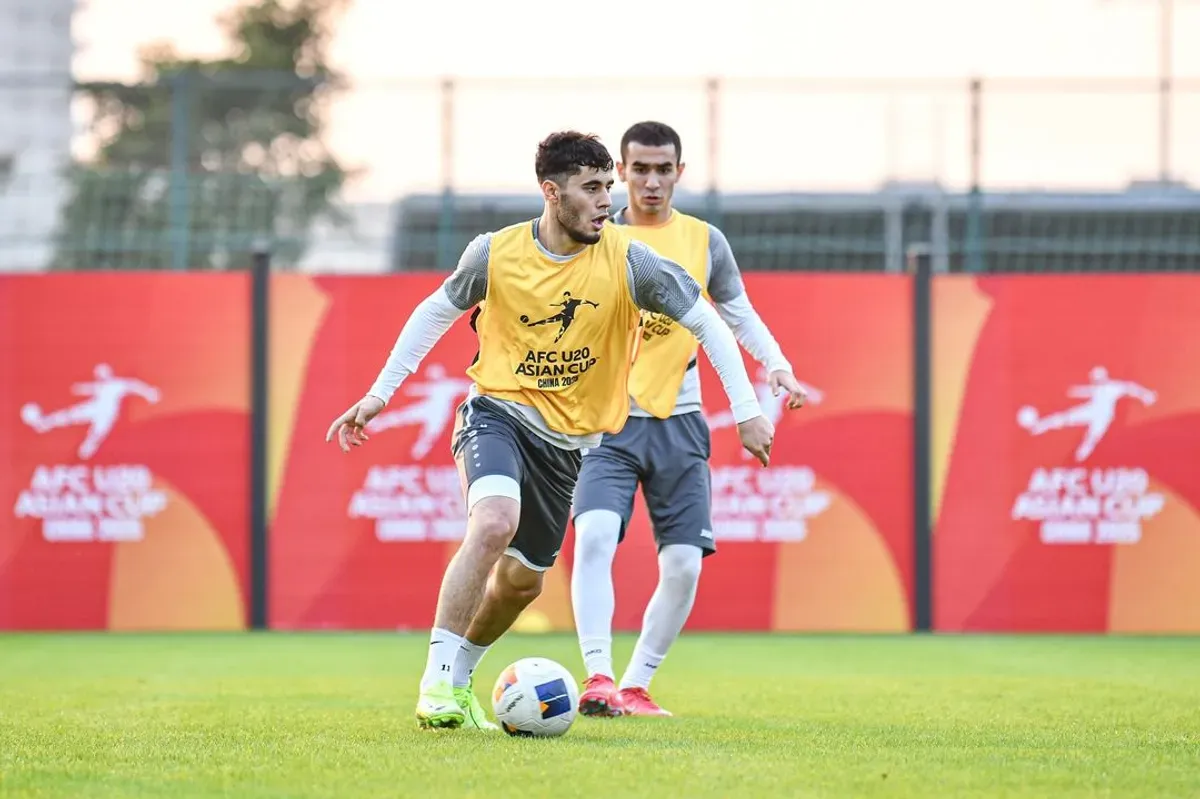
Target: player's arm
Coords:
[(728, 291), (436, 314), (1140, 392), (663, 286), (145, 391)]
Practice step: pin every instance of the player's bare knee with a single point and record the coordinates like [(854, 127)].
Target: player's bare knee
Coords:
[(515, 583), (493, 522)]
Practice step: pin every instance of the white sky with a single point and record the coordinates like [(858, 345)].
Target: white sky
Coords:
[(772, 135)]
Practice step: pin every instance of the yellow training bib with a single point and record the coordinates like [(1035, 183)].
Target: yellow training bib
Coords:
[(667, 347), (558, 337)]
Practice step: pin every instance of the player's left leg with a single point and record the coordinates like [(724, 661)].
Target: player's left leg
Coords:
[(549, 480), (96, 435), (487, 448), (603, 505), (678, 497), (511, 587), (1096, 428)]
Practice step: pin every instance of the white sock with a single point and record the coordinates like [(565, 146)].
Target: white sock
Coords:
[(443, 651), (592, 600), (469, 655), (678, 576)]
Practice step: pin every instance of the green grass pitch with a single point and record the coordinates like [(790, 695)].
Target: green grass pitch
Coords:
[(331, 715)]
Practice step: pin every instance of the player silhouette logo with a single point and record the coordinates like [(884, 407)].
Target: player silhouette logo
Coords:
[(1096, 415), (438, 395), (100, 412), (565, 317), (772, 406)]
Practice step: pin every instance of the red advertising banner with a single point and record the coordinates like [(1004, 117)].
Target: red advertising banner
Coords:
[(124, 412), (1067, 416), (360, 540), (822, 540)]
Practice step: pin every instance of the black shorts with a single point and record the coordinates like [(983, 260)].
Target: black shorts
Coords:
[(669, 457), (490, 442)]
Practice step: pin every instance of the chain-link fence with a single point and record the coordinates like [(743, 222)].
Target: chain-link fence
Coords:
[(196, 170)]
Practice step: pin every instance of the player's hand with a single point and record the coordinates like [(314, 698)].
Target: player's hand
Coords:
[(781, 380), (348, 428), (757, 434)]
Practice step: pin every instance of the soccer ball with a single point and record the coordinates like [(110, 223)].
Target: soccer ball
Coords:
[(535, 697), (31, 414)]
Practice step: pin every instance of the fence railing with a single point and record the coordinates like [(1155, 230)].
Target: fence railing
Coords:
[(188, 171)]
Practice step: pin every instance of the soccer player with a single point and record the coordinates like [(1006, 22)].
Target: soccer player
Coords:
[(560, 310), (665, 444)]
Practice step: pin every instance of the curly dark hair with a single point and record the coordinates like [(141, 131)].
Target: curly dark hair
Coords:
[(652, 134), (565, 153)]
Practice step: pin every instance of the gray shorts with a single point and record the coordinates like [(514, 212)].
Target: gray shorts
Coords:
[(487, 443), (669, 457)]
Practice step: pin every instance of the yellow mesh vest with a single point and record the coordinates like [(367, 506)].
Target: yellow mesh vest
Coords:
[(558, 337), (667, 347)]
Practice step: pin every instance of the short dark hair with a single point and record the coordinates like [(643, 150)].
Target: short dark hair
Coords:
[(652, 134), (568, 152)]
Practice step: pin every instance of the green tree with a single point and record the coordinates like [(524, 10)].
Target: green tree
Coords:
[(200, 160)]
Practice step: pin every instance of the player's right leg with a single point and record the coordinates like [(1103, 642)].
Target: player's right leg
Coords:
[(82, 413), (549, 480), (603, 505), (487, 453)]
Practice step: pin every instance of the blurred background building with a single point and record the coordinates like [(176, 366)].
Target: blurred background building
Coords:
[(36, 52)]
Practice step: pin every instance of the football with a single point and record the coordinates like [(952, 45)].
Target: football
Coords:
[(535, 697)]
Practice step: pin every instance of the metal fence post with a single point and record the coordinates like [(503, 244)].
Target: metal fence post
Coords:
[(713, 201), (1165, 70), (445, 228), (260, 340), (974, 237), (181, 85), (922, 287)]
